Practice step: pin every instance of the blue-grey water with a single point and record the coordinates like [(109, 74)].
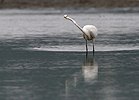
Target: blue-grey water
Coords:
[(42, 56)]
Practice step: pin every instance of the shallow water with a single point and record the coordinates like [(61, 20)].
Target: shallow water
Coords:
[(42, 56), (51, 32)]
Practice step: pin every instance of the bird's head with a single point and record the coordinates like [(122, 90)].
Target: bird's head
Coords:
[(66, 16)]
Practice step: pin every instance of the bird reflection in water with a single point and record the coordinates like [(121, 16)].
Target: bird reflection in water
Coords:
[(90, 70), (86, 76)]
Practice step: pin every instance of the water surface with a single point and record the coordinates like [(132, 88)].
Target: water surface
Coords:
[(42, 56)]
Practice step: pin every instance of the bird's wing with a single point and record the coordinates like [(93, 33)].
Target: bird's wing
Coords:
[(90, 30)]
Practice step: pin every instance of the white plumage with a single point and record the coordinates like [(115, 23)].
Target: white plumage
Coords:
[(89, 31)]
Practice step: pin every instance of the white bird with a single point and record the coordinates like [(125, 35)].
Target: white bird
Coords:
[(89, 31)]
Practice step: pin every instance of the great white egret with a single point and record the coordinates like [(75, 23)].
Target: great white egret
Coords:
[(89, 31)]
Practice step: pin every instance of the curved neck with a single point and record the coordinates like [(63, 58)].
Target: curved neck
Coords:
[(76, 24)]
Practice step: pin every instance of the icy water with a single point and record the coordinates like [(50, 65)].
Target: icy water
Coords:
[(42, 56)]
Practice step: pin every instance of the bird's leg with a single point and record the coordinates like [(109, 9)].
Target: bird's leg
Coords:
[(86, 47), (86, 55), (93, 48)]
